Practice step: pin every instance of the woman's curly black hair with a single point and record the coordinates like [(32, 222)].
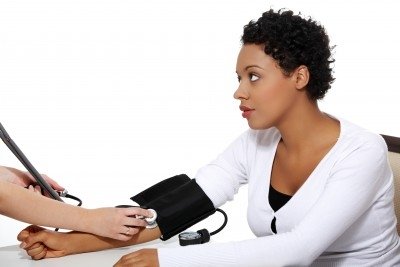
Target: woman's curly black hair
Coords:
[(293, 41)]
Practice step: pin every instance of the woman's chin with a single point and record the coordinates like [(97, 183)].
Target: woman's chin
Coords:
[(258, 126)]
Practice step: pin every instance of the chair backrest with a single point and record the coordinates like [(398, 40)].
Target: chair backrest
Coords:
[(393, 144)]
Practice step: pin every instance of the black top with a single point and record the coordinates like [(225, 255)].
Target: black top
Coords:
[(277, 199)]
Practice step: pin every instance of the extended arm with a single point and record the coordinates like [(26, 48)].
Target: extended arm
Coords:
[(41, 243), (24, 205), (353, 186)]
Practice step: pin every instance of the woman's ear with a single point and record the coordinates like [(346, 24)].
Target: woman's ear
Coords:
[(302, 77)]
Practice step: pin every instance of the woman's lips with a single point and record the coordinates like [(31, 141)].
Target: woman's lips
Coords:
[(246, 111), (246, 114)]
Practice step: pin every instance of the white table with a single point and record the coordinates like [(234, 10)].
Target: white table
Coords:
[(13, 256)]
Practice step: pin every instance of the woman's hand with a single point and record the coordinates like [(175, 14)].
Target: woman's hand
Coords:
[(25, 179), (140, 258), (116, 223), (40, 243)]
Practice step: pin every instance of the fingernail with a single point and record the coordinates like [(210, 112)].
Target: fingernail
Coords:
[(22, 245)]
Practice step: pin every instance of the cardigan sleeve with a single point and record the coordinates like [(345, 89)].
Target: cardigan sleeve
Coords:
[(353, 185), (222, 178)]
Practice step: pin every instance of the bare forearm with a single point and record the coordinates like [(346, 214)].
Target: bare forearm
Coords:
[(24, 205), (84, 242)]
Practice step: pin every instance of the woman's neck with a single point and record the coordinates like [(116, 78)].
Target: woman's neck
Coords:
[(306, 127)]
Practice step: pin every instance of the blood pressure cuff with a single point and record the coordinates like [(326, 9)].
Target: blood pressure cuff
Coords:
[(179, 202)]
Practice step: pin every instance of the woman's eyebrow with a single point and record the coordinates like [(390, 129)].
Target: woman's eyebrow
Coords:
[(252, 66)]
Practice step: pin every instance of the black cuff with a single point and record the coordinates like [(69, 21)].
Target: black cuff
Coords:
[(160, 189), (179, 202)]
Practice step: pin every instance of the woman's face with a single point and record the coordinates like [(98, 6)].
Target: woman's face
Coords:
[(265, 93)]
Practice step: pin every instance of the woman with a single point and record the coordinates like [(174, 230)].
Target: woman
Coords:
[(320, 187), (27, 206)]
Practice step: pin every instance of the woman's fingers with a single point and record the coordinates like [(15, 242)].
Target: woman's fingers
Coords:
[(127, 234), (53, 183), (35, 250), (129, 221), (23, 235), (35, 189), (38, 189), (138, 211), (26, 232), (41, 255), (131, 231), (140, 258), (35, 238)]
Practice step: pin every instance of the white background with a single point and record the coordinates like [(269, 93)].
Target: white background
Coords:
[(109, 97)]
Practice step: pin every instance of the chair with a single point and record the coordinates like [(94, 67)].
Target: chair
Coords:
[(393, 144)]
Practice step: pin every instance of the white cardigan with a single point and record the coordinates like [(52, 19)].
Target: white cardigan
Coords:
[(343, 214)]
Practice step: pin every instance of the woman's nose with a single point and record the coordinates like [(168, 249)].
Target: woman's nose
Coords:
[(240, 93)]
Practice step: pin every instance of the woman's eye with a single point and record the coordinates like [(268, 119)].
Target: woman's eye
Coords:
[(254, 77)]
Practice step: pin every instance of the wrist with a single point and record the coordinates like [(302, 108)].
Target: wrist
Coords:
[(73, 243), (86, 220), (78, 242)]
